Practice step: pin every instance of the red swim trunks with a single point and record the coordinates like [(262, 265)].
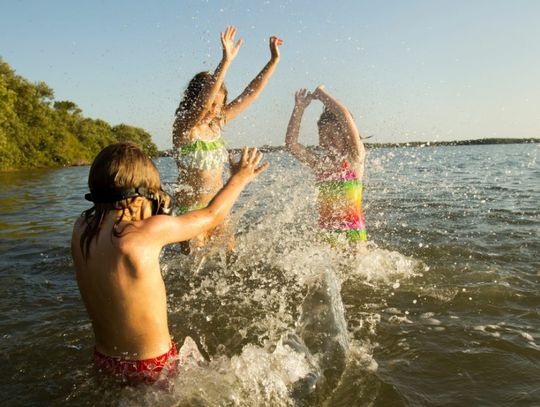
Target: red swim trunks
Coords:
[(138, 371)]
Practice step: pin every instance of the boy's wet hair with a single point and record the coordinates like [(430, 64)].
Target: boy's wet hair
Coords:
[(193, 91), (117, 167)]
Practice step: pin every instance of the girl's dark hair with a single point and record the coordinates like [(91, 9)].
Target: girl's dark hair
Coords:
[(116, 167), (193, 91), (327, 117)]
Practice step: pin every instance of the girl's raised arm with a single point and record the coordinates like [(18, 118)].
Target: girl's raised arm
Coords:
[(163, 229), (302, 99), (256, 86), (191, 117), (345, 118)]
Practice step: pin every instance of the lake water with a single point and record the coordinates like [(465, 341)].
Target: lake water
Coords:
[(443, 309)]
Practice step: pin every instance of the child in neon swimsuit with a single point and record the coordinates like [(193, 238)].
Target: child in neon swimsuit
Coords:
[(338, 169), (116, 246), (198, 146)]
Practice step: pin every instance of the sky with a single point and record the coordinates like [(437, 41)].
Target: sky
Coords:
[(419, 70)]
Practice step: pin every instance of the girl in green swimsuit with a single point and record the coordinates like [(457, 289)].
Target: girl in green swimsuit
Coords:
[(198, 146)]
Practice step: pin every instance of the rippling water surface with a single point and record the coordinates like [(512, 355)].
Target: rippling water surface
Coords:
[(443, 309)]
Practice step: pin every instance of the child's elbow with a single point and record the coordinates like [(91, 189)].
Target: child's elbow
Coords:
[(362, 156), (214, 216), (291, 146)]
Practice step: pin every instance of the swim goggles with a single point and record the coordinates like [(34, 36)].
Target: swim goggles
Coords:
[(162, 202)]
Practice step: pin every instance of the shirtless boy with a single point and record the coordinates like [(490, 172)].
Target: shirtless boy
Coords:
[(116, 246)]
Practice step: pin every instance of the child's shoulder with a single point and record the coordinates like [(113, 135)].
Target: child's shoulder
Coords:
[(79, 225), (141, 232)]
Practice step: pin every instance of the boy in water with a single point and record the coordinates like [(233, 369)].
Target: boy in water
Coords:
[(116, 246)]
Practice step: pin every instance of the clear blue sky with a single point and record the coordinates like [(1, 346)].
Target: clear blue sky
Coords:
[(408, 70)]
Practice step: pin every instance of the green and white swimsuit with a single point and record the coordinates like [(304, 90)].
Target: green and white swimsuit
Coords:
[(202, 155)]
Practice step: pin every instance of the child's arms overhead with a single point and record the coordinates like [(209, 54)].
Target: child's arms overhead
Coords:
[(345, 118), (256, 86), (162, 229), (302, 99), (205, 100)]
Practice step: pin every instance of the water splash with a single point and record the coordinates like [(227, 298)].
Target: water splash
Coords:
[(269, 317)]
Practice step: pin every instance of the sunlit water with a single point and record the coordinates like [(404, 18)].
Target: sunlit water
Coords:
[(443, 308)]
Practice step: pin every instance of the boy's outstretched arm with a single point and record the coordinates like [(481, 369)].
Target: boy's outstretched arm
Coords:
[(169, 229), (206, 98), (256, 86), (302, 99), (345, 117)]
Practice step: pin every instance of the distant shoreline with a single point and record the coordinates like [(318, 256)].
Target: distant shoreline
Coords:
[(268, 149), (484, 141), (476, 142)]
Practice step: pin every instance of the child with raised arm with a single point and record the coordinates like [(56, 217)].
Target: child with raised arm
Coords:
[(198, 146), (116, 246), (338, 168)]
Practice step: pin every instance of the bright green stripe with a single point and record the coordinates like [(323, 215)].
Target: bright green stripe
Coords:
[(185, 209), (328, 186), (355, 235), (350, 192), (201, 145), (352, 235)]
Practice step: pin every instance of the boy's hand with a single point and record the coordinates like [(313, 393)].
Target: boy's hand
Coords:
[(275, 42), (246, 168), (230, 49), (302, 98)]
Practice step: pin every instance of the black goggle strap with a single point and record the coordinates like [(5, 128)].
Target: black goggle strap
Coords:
[(121, 194)]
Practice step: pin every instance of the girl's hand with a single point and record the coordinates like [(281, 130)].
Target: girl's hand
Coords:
[(275, 42), (316, 94), (302, 98), (246, 168), (230, 49)]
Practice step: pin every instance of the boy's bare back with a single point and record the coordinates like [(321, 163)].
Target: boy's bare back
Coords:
[(124, 293)]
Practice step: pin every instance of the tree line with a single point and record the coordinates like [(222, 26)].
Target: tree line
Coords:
[(37, 131)]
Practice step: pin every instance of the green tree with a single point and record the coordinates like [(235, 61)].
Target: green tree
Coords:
[(67, 106), (36, 131), (137, 136)]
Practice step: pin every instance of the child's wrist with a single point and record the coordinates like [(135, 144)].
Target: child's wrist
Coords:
[(239, 179)]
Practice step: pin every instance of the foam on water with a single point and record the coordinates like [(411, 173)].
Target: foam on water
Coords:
[(257, 376)]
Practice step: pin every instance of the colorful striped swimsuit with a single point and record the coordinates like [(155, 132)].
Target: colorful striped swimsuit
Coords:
[(340, 205)]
